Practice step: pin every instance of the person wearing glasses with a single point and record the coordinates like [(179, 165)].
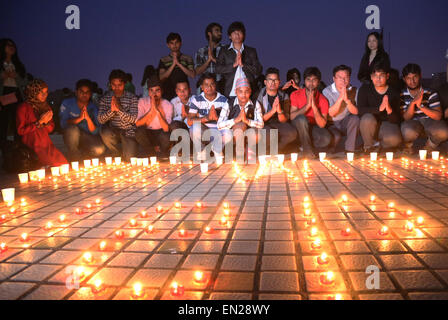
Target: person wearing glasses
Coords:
[(343, 112), (275, 107)]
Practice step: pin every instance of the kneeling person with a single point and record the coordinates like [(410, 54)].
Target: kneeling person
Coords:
[(421, 111), (79, 120), (240, 114), (153, 121)]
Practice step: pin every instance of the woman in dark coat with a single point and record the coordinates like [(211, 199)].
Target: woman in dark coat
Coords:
[(374, 53), (34, 120)]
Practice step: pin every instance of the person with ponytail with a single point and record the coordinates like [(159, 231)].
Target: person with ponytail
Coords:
[(34, 120)]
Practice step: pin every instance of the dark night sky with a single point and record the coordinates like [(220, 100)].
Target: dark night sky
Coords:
[(131, 34)]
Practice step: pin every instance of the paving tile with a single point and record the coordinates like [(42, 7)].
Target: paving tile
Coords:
[(279, 281)]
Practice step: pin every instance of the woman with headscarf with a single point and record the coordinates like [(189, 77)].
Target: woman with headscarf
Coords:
[(34, 124)]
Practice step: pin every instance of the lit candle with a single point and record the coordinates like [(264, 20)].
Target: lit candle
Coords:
[(79, 211), (80, 272), (344, 198), (208, 230), (337, 296), (384, 231), (199, 204), (2, 217), (23, 177), (307, 212), (226, 205), (420, 221), (98, 202), (409, 213), (133, 222), (409, 226), (119, 234), (223, 221), (177, 205), (137, 290), (3, 247), (8, 195), (159, 209), (103, 245), (61, 218), (327, 278), (24, 237), (313, 232), (323, 259), (87, 257), (346, 232), (149, 229), (177, 289), (306, 199), (226, 212), (372, 199), (182, 233), (97, 286), (199, 277), (391, 206), (49, 225), (75, 166), (143, 214)]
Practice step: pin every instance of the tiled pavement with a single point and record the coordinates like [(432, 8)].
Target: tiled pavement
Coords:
[(264, 249)]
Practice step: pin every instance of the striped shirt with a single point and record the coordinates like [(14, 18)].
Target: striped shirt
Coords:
[(123, 119), (430, 100), (201, 106), (201, 58), (227, 117)]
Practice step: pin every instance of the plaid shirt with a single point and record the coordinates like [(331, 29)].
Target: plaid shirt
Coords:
[(201, 57), (123, 119), (225, 123)]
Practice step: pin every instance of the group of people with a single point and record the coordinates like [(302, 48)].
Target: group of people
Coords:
[(233, 96)]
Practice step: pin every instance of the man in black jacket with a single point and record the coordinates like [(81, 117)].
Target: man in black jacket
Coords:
[(379, 109), (237, 61)]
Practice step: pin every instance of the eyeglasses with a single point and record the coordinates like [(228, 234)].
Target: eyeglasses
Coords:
[(272, 80)]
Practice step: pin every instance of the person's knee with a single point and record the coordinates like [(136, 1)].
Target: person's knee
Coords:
[(98, 149), (392, 140), (439, 134), (409, 133), (71, 132), (353, 121), (367, 120), (300, 121)]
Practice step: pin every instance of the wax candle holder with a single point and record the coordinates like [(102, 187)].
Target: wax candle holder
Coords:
[(294, 157), (119, 234), (346, 232), (149, 229), (55, 171), (23, 178), (208, 230), (3, 247), (323, 259), (322, 156), (98, 286), (8, 195), (108, 161), (173, 160), (384, 231), (137, 291), (177, 290), (75, 166), (199, 277)]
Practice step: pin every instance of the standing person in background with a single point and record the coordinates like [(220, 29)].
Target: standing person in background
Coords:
[(374, 54), (129, 86), (149, 71), (237, 61), (12, 85), (35, 122), (174, 67), (205, 58), (292, 84)]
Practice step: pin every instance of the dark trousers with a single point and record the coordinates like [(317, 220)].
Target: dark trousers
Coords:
[(286, 134), (113, 137), (8, 116), (151, 140), (321, 137), (82, 144)]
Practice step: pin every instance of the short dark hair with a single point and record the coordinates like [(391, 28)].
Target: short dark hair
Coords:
[(210, 28), (84, 83), (236, 26), (118, 74), (205, 76), (380, 67), (173, 36), (183, 81), (290, 73), (272, 70), (342, 67), (411, 68), (129, 76), (312, 71)]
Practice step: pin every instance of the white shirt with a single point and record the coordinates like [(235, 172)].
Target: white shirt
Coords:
[(239, 71), (177, 104)]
